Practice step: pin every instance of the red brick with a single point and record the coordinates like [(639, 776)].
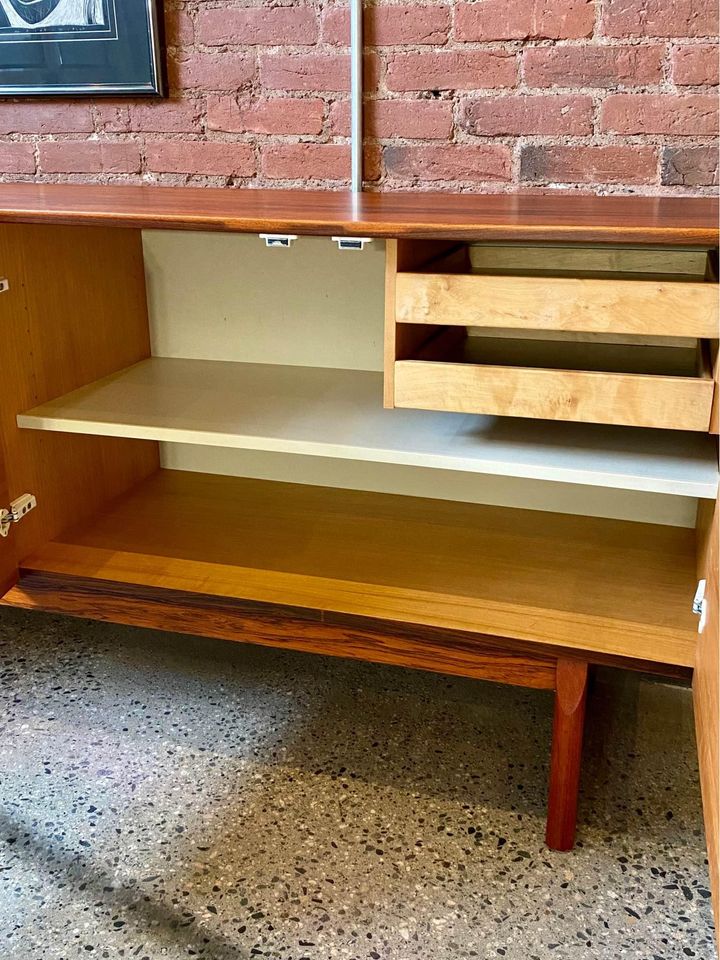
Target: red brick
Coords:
[(449, 162), (524, 115), (593, 66), (560, 164), (280, 115), (383, 26), (655, 113), (89, 156), (211, 71), (17, 158), (112, 117), (524, 20), (200, 157), (313, 72), (690, 166), (41, 118), (660, 18), (164, 116), (450, 70), (413, 119), (314, 161), (695, 64), (257, 25), (179, 29)]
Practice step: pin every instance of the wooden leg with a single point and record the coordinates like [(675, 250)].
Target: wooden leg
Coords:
[(570, 696)]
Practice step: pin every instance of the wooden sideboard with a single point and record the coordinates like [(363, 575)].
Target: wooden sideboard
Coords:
[(560, 339)]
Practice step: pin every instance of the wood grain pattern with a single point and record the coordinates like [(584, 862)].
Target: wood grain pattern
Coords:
[(8, 560), (309, 631), (660, 220), (545, 578), (75, 311), (566, 755), (505, 659), (584, 260), (715, 412), (674, 403), (657, 307), (403, 341), (706, 694)]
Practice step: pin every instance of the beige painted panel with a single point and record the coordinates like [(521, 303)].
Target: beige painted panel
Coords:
[(215, 296)]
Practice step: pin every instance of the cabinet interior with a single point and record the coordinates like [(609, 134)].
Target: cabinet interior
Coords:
[(142, 434)]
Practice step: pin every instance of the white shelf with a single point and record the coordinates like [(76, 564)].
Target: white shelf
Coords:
[(338, 413)]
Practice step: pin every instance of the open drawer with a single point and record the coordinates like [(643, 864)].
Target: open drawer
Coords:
[(590, 335)]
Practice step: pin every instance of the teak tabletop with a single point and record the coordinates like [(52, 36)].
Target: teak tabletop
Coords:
[(502, 217)]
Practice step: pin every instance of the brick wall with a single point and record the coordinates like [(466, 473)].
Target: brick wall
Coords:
[(489, 95)]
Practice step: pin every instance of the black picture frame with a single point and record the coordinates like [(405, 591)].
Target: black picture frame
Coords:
[(74, 47)]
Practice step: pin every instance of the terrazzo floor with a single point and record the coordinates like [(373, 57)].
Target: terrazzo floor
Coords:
[(170, 797)]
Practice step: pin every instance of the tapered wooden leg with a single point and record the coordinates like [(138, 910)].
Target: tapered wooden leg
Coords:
[(568, 723)]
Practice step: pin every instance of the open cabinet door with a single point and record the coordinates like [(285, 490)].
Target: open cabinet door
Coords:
[(8, 553), (73, 311), (8, 560), (706, 694)]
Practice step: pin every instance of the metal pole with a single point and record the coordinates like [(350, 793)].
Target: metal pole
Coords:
[(356, 95)]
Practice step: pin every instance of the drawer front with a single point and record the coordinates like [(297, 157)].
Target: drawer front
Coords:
[(642, 307), (675, 403)]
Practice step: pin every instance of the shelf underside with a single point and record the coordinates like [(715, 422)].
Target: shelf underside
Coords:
[(613, 587), (338, 413)]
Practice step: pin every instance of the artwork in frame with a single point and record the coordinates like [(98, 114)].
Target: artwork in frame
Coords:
[(71, 47)]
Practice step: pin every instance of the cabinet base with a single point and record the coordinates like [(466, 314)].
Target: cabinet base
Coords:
[(314, 631)]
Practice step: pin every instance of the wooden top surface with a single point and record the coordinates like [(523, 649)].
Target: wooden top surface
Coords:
[(664, 220)]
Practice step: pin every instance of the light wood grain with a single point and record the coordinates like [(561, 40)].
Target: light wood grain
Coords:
[(75, 311), (8, 561), (661, 308), (403, 341), (675, 403), (390, 331), (715, 412), (550, 578), (583, 259), (706, 694)]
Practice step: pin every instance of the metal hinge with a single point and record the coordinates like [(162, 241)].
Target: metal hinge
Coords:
[(15, 512), (4, 285), (700, 604)]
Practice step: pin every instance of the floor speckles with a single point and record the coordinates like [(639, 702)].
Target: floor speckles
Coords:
[(169, 797)]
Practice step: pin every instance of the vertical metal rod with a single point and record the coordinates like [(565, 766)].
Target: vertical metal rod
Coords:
[(356, 95)]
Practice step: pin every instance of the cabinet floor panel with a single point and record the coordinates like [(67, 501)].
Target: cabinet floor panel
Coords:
[(614, 587), (339, 413)]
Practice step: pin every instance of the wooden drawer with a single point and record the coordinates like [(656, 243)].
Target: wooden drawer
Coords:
[(655, 307), (628, 347), (673, 402)]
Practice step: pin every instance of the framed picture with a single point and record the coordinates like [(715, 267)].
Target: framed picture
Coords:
[(94, 47)]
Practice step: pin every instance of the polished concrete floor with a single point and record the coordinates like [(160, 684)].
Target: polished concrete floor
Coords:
[(169, 797)]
